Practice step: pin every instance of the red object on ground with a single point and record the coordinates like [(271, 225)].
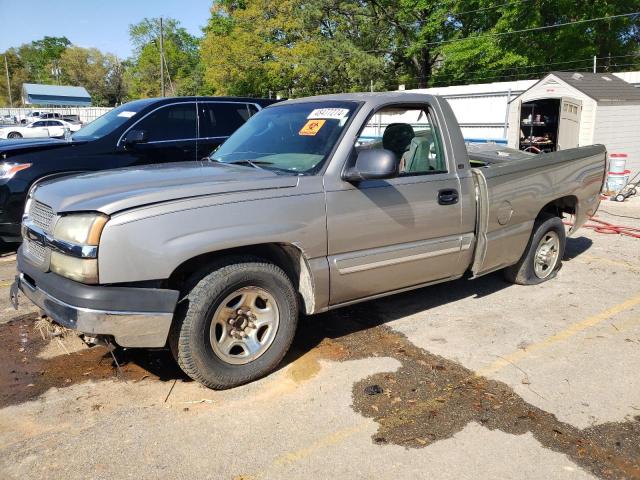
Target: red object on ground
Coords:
[(601, 226)]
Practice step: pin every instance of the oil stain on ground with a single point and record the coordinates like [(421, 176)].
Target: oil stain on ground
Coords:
[(25, 376), (430, 398)]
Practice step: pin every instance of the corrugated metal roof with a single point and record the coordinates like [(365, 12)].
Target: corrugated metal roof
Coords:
[(55, 90), (38, 94), (602, 87)]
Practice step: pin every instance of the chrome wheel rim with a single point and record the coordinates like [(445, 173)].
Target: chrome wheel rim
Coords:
[(244, 325), (547, 253)]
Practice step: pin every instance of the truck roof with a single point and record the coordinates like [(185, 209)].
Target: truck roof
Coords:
[(371, 98)]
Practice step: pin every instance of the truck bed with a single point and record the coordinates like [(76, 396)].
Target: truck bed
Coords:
[(513, 186)]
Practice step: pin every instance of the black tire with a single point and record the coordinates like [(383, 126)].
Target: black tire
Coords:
[(523, 272), (14, 135), (190, 342)]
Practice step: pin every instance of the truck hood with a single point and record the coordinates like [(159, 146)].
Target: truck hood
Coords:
[(116, 190)]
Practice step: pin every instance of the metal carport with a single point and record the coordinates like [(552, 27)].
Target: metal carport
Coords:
[(55, 95)]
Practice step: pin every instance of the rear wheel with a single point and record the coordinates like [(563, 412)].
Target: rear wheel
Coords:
[(543, 256), (236, 324), (14, 135)]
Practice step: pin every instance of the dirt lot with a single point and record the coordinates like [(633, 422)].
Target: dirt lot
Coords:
[(471, 379)]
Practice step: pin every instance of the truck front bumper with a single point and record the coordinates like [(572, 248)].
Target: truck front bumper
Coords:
[(134, 317)]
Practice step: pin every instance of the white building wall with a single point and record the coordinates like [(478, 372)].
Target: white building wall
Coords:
[(481, 109), (630, 77), (618, 128)]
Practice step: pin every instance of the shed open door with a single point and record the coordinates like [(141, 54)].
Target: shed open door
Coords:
[(569, 125)]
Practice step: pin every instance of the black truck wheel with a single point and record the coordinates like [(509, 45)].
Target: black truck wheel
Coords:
[(236, 324), (543, 255)]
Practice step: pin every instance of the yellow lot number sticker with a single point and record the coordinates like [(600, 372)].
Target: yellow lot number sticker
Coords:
[(311, 127)]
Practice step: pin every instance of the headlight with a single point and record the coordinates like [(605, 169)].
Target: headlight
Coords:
[(83, 270), (81, 228), (8, 169)]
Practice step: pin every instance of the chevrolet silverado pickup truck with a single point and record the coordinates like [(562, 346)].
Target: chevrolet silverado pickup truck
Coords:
[(313, 204)]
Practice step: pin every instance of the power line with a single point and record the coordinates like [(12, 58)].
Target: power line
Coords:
[(534, 29)]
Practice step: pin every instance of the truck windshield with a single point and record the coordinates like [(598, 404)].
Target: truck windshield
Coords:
[(294, 138), (108, 122)]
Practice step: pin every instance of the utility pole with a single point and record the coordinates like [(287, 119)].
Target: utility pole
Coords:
[(6, 69), (161, 60), (372, 85), (594, 63)]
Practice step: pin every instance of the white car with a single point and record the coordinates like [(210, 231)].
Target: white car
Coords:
[(39, 129)]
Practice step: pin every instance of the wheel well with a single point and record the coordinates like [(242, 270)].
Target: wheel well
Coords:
[(560, 206), (286, 256)]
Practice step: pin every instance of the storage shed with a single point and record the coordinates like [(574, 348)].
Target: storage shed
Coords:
[(55, 95), (571, 109)]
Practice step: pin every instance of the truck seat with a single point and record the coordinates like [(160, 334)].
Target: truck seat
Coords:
[(397, 138)]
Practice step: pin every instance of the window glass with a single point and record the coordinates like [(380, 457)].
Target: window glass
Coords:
[(110, 121), (175, 122), (410, 133), (39, 124), (222, 119), (291, 138)]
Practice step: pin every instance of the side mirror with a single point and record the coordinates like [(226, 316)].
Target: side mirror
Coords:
[(375, 164), (134, 136)]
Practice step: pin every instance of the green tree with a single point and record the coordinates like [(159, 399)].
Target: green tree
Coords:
[(18, 75), (40, 58), (181, 53), (290, 47)]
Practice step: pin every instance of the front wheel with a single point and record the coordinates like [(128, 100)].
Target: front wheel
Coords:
[(236, 324), (543, 255), (14, 135)]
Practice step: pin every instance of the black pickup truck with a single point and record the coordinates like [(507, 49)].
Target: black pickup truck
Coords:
[(142, 132)]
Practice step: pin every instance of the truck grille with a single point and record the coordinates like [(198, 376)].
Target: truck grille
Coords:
[(41, 215), (35, 251)]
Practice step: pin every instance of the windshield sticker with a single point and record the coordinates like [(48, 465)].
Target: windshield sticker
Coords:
[(126, 114), (329, 113), (311, 128)]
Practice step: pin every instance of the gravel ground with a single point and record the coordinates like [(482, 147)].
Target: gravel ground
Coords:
[(470, 379)]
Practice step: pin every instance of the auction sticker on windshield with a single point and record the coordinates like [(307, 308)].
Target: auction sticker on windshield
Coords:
[(329, 113), (311, 127), (126, 114)]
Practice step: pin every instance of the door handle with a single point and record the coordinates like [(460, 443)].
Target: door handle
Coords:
[(448, 196)]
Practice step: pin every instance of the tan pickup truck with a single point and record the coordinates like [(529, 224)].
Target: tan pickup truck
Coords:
[(313, 204)]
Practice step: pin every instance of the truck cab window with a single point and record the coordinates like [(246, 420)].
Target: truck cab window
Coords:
[(174, 122), (410, 133)]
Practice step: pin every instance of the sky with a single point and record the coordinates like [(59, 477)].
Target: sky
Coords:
[(103, 24)]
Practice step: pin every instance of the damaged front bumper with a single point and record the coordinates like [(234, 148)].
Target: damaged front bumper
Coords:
[(134, 317)]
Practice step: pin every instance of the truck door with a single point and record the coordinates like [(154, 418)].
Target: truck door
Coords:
[(569, 125), (385, 235)]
